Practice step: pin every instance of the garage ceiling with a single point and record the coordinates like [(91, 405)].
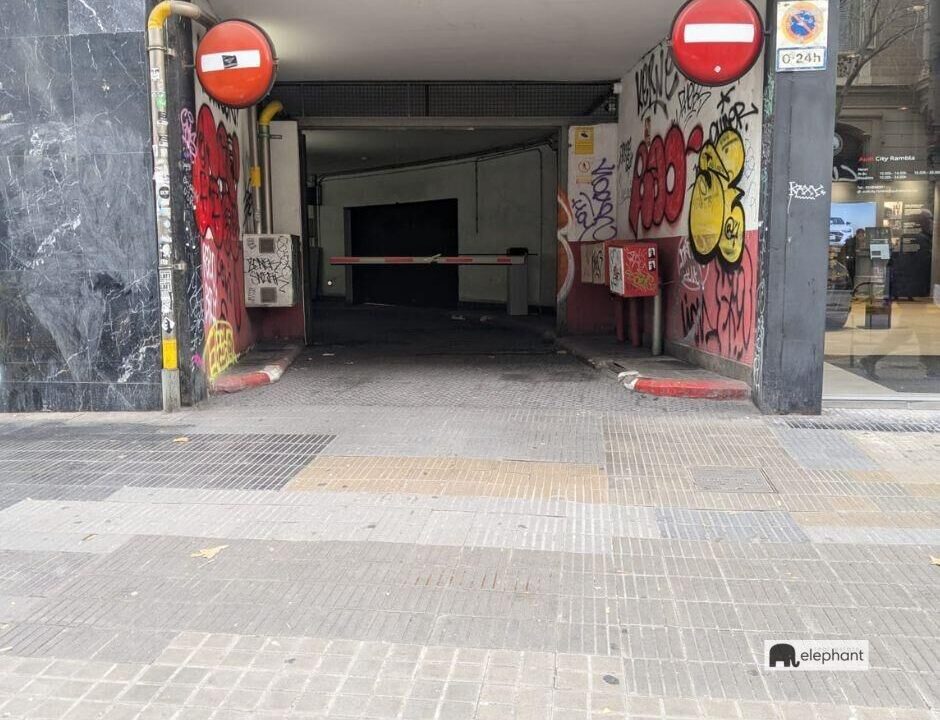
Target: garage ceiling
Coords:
[(565, 40), (330, 151)]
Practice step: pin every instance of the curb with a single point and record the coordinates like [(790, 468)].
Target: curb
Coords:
[(696, 389), (270, 373)]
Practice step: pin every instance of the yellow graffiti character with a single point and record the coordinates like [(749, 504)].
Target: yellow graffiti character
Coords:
[(219, 351), (716, 217)]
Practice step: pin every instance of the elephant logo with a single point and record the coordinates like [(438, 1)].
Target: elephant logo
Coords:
[(783, 653), (716, 215)]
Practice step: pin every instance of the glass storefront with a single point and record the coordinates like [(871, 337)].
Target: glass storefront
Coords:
[(883, 304)]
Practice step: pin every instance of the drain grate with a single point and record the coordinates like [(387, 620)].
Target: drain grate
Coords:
[(864, 425), (731, 480), (148, 459)]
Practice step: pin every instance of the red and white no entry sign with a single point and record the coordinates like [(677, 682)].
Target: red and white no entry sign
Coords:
[(235, 63), (715, 42)]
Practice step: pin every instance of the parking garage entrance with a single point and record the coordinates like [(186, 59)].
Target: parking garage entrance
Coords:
[(416, 229)]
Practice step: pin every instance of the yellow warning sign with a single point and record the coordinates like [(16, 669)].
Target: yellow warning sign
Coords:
[(170, 361), (584, 141)]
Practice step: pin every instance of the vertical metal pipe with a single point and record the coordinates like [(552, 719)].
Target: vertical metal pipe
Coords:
[(254, 179), (156, 53), (264, 137), (267, 196), (657, 339), (166, 252)]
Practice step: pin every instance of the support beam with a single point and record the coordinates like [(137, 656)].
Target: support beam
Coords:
[(796, 178), (442, 123)]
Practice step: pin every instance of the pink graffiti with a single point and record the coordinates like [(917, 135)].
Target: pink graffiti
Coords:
[(719, 317), (188, 134)]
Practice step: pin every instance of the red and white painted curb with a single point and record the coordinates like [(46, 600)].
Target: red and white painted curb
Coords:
[(694, 388), (235, 381)]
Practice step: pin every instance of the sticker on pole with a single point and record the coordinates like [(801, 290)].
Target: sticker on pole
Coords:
[(802, 35), (715, 42), (236, 64)]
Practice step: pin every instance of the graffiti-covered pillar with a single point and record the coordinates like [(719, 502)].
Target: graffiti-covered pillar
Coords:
[(796, 168)]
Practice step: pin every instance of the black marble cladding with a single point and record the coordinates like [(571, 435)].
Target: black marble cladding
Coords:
[(79, 304)]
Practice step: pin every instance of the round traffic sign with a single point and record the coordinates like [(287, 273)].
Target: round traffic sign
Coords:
[(236, 64), (715, 42)]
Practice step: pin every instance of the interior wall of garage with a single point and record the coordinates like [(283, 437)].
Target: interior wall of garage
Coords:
[(504, 200)]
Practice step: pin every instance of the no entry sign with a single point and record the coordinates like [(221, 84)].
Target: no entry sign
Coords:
[(715, 42), (235, 63)]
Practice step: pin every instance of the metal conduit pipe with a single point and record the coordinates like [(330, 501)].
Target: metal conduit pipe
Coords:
[(264, 137), (254, 177), (163, 190), (656, 342)]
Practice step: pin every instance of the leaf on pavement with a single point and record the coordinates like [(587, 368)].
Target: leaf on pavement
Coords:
[(209, 553)]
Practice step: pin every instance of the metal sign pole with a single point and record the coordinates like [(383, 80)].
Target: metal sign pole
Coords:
[(167, 262)]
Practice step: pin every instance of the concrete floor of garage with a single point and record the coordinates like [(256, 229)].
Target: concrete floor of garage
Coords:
[(436, 517)]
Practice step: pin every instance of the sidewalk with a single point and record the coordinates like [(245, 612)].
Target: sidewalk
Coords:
[(481, 531), (663, 375)]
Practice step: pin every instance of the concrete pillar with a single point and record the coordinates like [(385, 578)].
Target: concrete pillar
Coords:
[(796, 177), (935, 249), (561, 307)]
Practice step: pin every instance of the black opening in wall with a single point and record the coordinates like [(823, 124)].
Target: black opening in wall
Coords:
[(418, 229)]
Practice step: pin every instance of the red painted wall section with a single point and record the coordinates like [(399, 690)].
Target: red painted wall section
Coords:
[(590, 307), (218, 187), (708, 307), (281, 323), (586, 218)]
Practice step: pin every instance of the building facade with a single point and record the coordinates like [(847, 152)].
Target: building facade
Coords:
[(712, 175)]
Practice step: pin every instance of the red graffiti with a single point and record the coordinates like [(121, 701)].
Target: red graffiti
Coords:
[(215, 184), (719, 316), (638, 272), (659, 175)]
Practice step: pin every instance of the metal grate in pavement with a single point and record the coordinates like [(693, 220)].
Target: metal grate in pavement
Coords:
[(864, 425), (148, 459), (823, 449)]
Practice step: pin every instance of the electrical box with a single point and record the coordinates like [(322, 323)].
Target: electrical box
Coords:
[(632, 268), (272, 270)]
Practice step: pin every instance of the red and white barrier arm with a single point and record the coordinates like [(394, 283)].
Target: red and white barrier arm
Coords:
[(430, 260)]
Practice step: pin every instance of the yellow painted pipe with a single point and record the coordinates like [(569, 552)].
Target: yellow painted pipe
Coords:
[(159, 14), (270, 110)]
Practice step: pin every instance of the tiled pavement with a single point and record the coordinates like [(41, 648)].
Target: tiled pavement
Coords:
[(465, 525)]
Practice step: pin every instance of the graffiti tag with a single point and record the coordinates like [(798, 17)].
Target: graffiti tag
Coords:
[(720, 317), (799, 191), (732, 115), (657, 81), (594, 212)]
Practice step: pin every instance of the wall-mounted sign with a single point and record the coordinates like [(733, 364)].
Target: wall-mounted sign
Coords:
[(235, 63), (584, 140), (802, 35), (714, 42)]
